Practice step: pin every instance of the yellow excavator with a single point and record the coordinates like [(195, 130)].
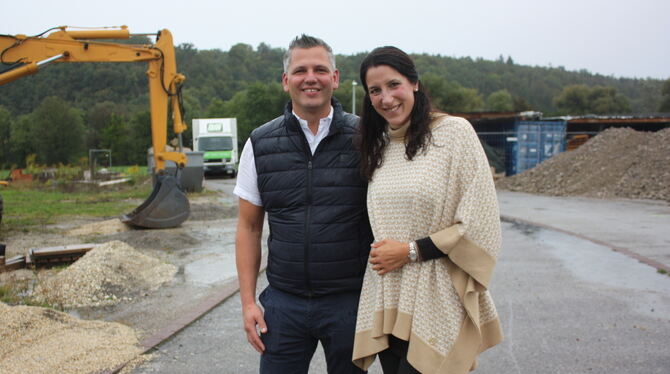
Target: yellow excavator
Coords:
[(167, 206)]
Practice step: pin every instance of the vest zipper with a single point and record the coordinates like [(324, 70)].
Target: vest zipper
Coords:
[(308, 218), (308, 214)]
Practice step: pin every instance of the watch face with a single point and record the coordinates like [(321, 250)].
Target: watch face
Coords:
[(413, 255)]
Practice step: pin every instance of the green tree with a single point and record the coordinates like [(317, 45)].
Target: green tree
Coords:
[(606, 100), (581, 99), (22, 139), (139, 128), (254, 106), (5, 134), (97, 118), (242, 58), (263, 103), (116, 136), (343, 95), (216, 109), (451, 96), (500, 101), (436, 87), (665, 102), (59, 132), (573, 99), (463, 99)]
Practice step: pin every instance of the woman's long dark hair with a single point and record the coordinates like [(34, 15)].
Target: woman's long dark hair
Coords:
[(372, 139)]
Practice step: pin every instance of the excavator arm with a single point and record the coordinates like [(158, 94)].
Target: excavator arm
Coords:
[(167, 206)]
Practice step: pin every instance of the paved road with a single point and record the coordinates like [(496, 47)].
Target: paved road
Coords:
[(639, 226), (567, 304), (222, 184)]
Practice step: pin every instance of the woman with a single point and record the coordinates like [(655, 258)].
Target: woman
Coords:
[(424, 306)]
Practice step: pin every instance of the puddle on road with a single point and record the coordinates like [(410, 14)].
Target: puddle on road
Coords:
[(525, 228), (598, 264), (213, 260), (211, 269)]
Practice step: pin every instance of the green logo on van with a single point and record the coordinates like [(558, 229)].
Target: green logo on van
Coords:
[(217, 155)]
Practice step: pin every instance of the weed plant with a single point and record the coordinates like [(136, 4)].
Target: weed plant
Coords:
[(17, 294)]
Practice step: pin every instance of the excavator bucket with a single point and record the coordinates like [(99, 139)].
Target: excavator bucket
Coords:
[(166, 207)]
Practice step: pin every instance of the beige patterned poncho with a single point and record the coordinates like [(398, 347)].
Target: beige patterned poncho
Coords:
[(442, 306)]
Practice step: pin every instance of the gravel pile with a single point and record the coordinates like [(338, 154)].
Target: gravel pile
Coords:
[(37, 340), (107, 274), (107, 227), (618, 162)]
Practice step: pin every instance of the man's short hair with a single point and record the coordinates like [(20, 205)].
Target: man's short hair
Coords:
[(305, 41)]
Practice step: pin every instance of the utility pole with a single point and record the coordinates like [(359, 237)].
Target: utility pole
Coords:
[(353, 96)]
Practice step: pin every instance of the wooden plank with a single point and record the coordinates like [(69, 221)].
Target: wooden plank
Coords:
[(61, 250), (116, 181), (14, 263)]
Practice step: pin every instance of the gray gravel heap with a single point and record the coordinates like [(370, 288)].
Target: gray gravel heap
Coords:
[(618, 162), (107, 274)]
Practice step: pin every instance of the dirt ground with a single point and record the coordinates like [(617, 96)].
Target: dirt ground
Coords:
[(205, 238)]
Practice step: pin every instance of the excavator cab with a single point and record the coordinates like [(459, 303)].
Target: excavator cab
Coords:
[(167, 206)]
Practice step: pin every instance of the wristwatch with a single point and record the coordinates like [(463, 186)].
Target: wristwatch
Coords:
[(413, 254)]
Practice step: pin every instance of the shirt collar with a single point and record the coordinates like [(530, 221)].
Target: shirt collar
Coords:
[(323, 121)]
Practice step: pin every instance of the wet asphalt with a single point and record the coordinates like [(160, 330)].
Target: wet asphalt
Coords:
[(568, 302)]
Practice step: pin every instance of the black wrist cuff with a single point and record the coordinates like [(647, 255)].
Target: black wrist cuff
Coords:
[(428, 250)]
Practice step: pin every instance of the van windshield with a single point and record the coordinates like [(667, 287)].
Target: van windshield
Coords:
[(222, 143)]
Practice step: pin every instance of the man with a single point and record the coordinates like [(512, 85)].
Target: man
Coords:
[(303, 170)]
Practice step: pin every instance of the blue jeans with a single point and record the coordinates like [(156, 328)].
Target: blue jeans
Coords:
[(296, 324)]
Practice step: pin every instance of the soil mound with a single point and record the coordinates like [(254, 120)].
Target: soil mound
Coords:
[(618, 162), (38, 340), (109, 273)]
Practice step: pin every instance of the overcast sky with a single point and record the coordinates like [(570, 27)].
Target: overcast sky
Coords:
[(623, 38)]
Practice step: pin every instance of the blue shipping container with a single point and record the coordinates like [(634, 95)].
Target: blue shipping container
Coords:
[(536, 141)]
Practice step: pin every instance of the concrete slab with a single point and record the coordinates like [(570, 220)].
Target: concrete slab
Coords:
[(639, 226), (568, 305)]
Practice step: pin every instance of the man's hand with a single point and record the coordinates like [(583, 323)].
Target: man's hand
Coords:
[(253, 324), (387, 255)]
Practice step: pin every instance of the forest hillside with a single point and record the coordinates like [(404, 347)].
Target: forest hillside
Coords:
[(105, 105)]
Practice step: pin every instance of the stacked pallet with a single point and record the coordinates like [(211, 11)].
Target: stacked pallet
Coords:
[(44, 257)]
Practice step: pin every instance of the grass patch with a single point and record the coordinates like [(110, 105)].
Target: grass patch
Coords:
[(11, 296), (8, 295), (131, 170), (661, 271), (27, 207)]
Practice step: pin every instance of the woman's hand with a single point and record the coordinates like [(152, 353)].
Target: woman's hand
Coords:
[(387, 255)]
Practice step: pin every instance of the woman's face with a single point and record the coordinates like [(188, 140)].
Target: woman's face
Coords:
[(391, 94)]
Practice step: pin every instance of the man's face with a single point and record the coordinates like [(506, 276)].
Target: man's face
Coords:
[(310, 81)]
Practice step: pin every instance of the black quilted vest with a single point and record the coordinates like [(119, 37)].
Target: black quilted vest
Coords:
[(320, 234)]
